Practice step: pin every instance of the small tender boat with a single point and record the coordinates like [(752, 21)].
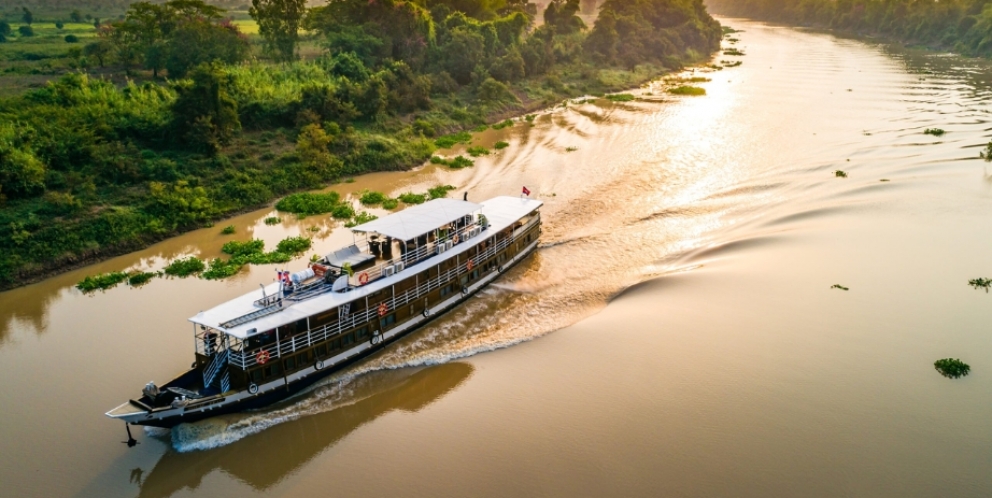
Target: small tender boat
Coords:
[(402, 271)]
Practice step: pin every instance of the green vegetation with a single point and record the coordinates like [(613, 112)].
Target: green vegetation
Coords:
[(960, 25), (309, 203), (504, 124), (137, 279), (571, 149), (987, 153), (372, 198), (293, 245), (449, 141), (840, 174), (102, 281), (174, 115), (361, 219), (621, 97), (838, 286), (952, 368), (440, 191), (477, 151), (411, 198), (981, 283), (687, 90), (457, 162), (390, 204), (501, 145), (228, 230), (731, 63), (934, 131), (185, 267), (733, 52), (273, 220)]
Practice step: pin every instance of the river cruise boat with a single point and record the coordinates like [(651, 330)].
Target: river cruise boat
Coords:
[(402, 271)]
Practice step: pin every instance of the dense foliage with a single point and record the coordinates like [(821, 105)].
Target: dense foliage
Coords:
[(952, 368), (91, 167), (962, 25)]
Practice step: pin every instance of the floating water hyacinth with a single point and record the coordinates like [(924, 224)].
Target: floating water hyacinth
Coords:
[(952, 368)]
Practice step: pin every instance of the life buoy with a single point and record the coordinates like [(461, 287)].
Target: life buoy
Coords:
[(465, 290), (383, 309), (470, 265), (262, 357), (252, 388), (319, 365), (454, 239), (376, 338), (499, 268), (363, 278), (427, 313)]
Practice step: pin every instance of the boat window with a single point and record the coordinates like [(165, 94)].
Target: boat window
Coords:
[(334, 345), (347, 340), (475, 274), (362, 333), (256, 375), (273, 370), (321, 350), (463, 280), (446, 290), (290, 363), (387, 321)]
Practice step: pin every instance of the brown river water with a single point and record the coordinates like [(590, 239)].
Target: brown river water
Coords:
[(676, 334)]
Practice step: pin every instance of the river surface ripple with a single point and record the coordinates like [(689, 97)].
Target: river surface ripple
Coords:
[(691, 344)]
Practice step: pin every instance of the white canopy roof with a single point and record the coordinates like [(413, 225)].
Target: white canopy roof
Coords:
[(418, 220)]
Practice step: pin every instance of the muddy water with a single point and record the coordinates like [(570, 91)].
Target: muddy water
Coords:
[(690, 343)]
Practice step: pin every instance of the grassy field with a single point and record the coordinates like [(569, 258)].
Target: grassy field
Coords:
[(30, 61)]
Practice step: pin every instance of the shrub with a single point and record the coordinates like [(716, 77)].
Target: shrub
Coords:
[(26, 31), (952, 368), (372, 198), (71, 39), (101, 281), (308, 203), (185, 267)]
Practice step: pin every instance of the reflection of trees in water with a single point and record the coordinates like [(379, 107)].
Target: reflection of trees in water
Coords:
[(26, 306), (264, 459)]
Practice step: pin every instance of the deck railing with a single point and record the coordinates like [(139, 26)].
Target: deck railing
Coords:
[(289, 346)]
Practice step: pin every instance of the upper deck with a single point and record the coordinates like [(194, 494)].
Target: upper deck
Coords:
[(430, 229)]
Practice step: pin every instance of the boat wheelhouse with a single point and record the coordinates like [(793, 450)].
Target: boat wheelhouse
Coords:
[(401, 271)]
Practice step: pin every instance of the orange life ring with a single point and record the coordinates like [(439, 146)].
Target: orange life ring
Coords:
[(262, 357), (363, 278), (454, 239), (470, 265), (383, 309)]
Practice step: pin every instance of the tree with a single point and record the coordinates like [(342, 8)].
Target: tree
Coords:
[(279, 24), (25, 30), (27, 16), (198, 41), (311, 145), (462, 52), (59, 25), (203, 113), (75, 16), (100, 50), (21, 172), (4, 30), (561, 14)]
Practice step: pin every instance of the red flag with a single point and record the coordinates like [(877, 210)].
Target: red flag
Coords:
[(526, 192)]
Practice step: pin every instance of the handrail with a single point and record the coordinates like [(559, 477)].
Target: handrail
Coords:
[(245, 359), (220, 359)]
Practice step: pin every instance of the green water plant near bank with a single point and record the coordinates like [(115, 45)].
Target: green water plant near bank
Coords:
[(692, 91), (91, 168)]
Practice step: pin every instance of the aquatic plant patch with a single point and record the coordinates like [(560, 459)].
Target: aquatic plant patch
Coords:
[(687, 90), (361, 219), (505, 124), (934, 131), (952, 368), (449, 141), (228, 230), (101, 281), (501, 145), (733, 51), (372, 198), (185, 267), (981, 283), (294, 245), (840, 174), (838, 286), (621, 97), (310, 203), (477, 151), (390, 204), (137, 279), (411, 198), (440, 191), (273, 220)]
